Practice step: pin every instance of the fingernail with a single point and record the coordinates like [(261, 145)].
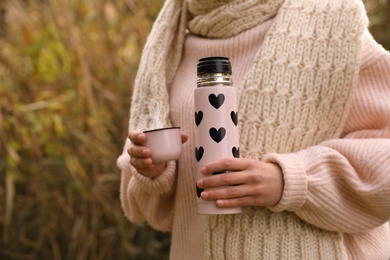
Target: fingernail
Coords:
[(219, 203), (200, 184), (204, 195)]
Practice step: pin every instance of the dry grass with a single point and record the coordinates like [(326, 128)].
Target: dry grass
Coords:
[(66, 72)]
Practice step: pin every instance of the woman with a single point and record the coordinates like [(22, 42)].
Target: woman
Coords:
[(314, 172)]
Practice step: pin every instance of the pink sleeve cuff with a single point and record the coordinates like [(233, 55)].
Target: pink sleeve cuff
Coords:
[(295, 181), (160, 184)]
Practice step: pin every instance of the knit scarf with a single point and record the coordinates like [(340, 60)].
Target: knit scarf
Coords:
[(296, 94), (163, 50)]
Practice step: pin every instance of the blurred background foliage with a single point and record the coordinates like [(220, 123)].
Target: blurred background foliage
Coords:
[(66, 75)]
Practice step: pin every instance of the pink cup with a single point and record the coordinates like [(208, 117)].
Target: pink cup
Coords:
[(165, 143)]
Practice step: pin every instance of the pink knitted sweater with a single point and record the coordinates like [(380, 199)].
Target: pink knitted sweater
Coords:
[(355, 203)]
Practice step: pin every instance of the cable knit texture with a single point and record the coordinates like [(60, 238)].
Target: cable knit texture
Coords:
[(295, 94), (223, 19)]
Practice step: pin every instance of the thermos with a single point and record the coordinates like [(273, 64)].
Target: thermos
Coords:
[(216, 133)]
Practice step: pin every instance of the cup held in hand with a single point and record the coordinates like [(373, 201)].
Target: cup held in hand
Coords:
[(165, 143)]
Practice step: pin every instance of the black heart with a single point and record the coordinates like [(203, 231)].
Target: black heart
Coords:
[(198, 191), (199, 153), (217, 135), (198, 117), (236, 152), (234, 117), (216, 101)]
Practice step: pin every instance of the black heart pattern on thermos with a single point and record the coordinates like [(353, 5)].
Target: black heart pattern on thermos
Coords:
[(216, 101), (216, 134)]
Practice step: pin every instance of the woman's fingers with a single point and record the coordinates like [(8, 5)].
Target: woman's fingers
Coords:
[(219, 180), (137, 137), (141, 163), (247, 182), (228, 192), (240, 202), (226, 164), (140, 155), (139, 151), (234, 196)]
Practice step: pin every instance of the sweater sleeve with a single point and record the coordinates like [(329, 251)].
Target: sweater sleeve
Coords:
[(146, 199), (344, 184)]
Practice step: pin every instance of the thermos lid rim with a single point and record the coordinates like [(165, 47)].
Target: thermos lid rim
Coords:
[(214, 65)]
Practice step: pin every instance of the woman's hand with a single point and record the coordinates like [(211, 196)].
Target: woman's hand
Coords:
[(247, 182), (140, 155)]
